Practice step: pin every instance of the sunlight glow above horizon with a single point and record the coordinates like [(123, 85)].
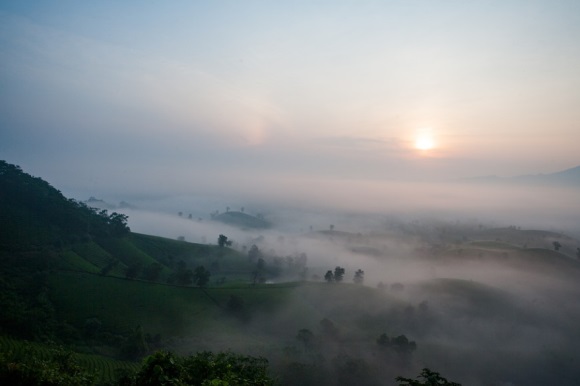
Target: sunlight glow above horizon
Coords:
[(352, 90), (424, 140)]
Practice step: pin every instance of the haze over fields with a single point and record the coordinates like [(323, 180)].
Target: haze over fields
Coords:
[(432, 144)]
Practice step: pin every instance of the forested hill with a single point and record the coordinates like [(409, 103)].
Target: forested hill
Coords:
[(45, 236), (35, 214)]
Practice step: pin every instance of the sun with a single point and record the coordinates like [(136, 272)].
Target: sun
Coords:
[(424, 140), (424, 143)]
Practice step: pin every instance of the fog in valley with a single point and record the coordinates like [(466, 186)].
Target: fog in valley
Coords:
[(467, 271), (395, 184)]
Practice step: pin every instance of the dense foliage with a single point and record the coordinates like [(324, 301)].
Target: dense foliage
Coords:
[(426, 378), (204, 368), (58, 368), (35, 214)]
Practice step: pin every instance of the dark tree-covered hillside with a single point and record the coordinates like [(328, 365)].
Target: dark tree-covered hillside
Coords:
[(34, 214)]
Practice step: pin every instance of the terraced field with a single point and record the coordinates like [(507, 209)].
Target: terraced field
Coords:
[(106, 369)]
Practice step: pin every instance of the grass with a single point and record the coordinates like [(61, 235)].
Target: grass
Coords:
[(104, 368), (70, 260), (124, 250), (493, 245), (122, 304), (95, 254)]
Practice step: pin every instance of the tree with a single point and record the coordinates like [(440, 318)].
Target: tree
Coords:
[(329, 330), (223, 241), (118, 224), (132, 271), (181, 275), (338, 274), (353, 371), (359, 276), (426, 378), (201, 276), (306, 337), (135, 346), (204, 368), (557, 245), (329, 276), (254, 253), (383, 340), (92, 327), (152, 271), (258, 273), (401, 344)]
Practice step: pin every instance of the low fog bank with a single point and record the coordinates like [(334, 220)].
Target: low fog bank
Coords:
[(484, 280), (296, 204)]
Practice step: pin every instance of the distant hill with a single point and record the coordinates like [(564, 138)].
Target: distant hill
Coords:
[(565, 177), (242, 220), (46, 239), (102, 204), (568, 177)]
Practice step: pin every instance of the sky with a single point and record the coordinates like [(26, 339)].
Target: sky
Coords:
[(150, 97)]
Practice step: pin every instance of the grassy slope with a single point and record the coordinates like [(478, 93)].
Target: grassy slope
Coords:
[(123, 304), (143, 250), (104, 368), (171, 310), (95, 254)]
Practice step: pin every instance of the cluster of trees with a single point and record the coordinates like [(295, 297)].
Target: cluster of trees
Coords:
[(400, 344), (319, 358), (60, 367), (427, 377), (223, 241), (181, 275), (204, 368), (269, 265), (337, 275)]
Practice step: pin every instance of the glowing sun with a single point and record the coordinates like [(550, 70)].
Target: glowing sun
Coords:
[(424, 140)]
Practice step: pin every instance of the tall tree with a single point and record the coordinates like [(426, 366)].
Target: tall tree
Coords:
[(201, 276), (359, 276), (338, 274), (223, 241), (426, 378), (329, 276)]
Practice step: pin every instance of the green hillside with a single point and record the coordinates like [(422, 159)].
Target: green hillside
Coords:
[(63, 265), (473, 299)]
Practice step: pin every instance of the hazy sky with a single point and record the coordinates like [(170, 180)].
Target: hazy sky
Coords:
[(186, 95)]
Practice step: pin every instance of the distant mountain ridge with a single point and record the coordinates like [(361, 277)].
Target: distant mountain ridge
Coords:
[(567, 177)]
